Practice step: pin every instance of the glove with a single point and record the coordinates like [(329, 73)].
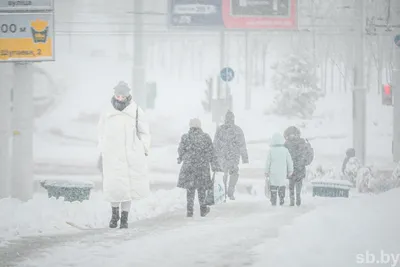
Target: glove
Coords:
[(245, 161)]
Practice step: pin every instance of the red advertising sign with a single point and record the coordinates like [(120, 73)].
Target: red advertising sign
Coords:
[(260, 14)]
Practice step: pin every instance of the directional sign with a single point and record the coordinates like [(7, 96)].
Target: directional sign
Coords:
[(25, 5), (194, 13), (397, 40), (227, 74), (26, 37), (256, 14)]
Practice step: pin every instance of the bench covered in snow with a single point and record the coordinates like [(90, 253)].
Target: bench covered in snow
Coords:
[(331, 188), (70, 190)]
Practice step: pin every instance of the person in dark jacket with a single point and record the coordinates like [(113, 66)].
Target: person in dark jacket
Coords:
[(197, 154), (297, 147), (230, 146)]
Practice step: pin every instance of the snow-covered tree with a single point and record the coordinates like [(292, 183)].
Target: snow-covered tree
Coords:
[(296, 86)]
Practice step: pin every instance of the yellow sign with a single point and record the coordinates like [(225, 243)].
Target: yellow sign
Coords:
[(26, 37)]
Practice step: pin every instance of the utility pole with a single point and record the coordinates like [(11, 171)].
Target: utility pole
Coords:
[(395, 11), (139, 68), (247, 71), (22, 125), (5, 133), (359, 90), (222, 60)]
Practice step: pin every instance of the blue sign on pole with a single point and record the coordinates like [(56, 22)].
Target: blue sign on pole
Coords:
[(194, 13), (397, 40), (227, 74)]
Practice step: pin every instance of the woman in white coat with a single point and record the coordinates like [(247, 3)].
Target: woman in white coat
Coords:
[(124, 142)]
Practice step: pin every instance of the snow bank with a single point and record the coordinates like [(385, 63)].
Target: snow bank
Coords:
[(344, 234), (42, 215)]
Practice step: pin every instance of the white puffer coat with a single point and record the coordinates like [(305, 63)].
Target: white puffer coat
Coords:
[(124, 153)]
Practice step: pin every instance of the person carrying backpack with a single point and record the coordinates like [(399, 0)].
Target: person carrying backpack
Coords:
[(302, 155)]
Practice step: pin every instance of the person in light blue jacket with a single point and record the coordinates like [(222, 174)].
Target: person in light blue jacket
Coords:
[(278, 168)]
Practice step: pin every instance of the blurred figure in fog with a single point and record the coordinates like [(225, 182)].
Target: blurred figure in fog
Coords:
[(350, 166), (124, 142), (197, 154), (230, 146), (360, 176), (278, 168), (396, 176)]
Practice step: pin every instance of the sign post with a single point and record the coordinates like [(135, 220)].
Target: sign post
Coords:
[(26, 36), (223, 102), (5, 134)]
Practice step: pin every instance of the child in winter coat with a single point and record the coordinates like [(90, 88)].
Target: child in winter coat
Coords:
[(278, 168)]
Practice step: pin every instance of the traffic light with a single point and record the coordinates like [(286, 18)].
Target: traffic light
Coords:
[(387, 96)]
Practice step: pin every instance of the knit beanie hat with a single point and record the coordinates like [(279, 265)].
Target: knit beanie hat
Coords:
[(195, 123), (122, 89)]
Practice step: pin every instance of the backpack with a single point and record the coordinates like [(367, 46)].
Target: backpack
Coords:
[(309, 153)]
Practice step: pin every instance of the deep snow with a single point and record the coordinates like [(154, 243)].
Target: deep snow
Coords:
[(323, 232)]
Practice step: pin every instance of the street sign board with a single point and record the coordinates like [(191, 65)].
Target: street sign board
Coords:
[(227, 74), (26, 37), (193, 13), (256, 14), (26, 5), (397, 40)]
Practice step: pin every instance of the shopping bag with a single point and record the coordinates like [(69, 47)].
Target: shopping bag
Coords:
[(267, 188), (216, 193)]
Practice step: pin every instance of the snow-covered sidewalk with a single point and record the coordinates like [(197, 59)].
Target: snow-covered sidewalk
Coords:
[(362, 231), (248, 232), (221, 239), (43, 216)]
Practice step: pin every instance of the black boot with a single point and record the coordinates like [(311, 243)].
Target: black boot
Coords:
[(124, 220), (298, 201), (204, 210), (274, 195), (114, 217), (282, 193), (189, 210)]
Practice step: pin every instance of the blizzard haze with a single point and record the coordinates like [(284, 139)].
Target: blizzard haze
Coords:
[(303, 78)]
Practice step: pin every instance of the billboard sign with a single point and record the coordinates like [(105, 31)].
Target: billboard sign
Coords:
[(260, 14), (26, 37), (25, 5), (194, 13)]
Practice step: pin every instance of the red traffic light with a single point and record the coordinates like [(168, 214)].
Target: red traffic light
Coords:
[(387, 89), (387, 98)]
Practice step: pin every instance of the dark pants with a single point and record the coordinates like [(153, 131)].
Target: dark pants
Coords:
[(275, 191), (295, 185), (190, 195), (233, 173)]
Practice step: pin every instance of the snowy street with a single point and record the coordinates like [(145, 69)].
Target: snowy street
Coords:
[(146, 107), (226, 237), (248, 232)]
